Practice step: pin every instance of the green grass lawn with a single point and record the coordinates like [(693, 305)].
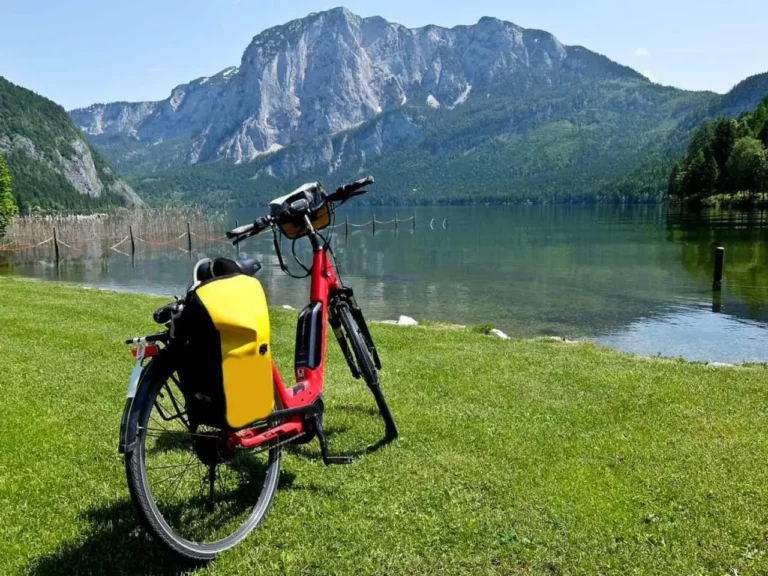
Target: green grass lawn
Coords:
[(515, 457)]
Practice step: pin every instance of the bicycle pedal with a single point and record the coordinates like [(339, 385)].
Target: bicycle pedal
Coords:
[(338, 460)]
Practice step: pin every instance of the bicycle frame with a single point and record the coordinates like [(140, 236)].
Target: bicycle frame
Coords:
[(299, 399), (300, 407)]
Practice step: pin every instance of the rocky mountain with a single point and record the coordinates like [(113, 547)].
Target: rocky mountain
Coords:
[(486, 111), (51, 165)]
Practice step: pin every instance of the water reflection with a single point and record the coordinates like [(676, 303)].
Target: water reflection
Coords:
[(634, 277), (744, 236)]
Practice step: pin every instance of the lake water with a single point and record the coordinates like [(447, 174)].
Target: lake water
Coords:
[(636, 278)]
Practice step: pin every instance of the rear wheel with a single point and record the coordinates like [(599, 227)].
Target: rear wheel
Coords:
[(366, 366), (195, 494)]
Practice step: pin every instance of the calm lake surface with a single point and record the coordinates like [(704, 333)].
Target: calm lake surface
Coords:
[(636, 278)]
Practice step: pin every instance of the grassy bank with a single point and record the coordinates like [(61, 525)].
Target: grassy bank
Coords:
[(515, 457)]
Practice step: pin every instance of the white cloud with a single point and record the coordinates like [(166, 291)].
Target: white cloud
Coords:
[(642, 52), (649, 75)]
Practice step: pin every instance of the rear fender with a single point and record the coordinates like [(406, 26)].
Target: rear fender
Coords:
[(138, 388)]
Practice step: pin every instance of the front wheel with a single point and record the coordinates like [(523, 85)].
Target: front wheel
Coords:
[(194, 493), (366, 366)]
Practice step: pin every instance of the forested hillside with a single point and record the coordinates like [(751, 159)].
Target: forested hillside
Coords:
[(52, 167), (726, 161)]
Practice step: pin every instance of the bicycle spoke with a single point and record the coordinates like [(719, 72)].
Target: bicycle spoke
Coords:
[(211, 483), (184, 472), (162, 467), (177, 474)]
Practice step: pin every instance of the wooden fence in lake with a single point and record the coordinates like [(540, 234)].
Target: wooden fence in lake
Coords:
[(70, 238)]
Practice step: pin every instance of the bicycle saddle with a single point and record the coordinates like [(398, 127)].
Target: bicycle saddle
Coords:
[(225, 267)]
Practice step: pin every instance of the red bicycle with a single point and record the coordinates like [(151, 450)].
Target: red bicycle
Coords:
[(202, 487)]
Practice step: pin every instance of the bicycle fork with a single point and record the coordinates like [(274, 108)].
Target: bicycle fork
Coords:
[(347, 297)]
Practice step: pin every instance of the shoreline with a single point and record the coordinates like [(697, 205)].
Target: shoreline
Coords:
[(725, 204), (484, 330)]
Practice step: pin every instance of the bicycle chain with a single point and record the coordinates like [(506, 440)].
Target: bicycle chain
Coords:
[(278, 445)]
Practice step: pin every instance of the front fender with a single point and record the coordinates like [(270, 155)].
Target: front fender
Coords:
[(138, 388)]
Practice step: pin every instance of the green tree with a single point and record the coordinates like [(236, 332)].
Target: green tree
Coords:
[(701, 176), (703, 138), (676, 178), (763, 135), (723, 140), (748, 166), (8, 207)]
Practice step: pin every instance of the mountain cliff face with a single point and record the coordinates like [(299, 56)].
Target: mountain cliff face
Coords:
[(331, 72), (52, 166), (492, 106)]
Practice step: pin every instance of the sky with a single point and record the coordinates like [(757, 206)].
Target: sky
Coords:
[(77, 52)]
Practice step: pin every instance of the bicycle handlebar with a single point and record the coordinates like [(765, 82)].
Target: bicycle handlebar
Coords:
[(342, 194)]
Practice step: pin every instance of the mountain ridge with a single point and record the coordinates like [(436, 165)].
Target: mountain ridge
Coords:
[(337, 94), (400, 76)]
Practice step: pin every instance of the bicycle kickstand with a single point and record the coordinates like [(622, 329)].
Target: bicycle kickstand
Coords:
[(327, 458)]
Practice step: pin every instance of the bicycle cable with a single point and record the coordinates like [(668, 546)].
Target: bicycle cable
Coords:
[(299, 262), (328, 246), (279, 252)]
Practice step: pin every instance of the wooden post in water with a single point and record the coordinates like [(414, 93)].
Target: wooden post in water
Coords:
[(133, 247), (189, 240), (133, 244), (717, 301), (717, 281), (346, 226), (395, 221), (373, 222), (56, 246), (414, 220)]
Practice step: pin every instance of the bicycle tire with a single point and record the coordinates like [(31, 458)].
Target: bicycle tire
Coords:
[(367, 367), (141, 493)]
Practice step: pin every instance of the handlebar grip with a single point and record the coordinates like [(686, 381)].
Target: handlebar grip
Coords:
[(245, 229), (348, 189), (258, 226), (363, 182)]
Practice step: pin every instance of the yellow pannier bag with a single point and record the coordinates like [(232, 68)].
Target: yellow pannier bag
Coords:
[(226, 371)]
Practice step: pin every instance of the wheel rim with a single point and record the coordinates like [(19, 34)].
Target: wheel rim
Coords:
[(205, 495)]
